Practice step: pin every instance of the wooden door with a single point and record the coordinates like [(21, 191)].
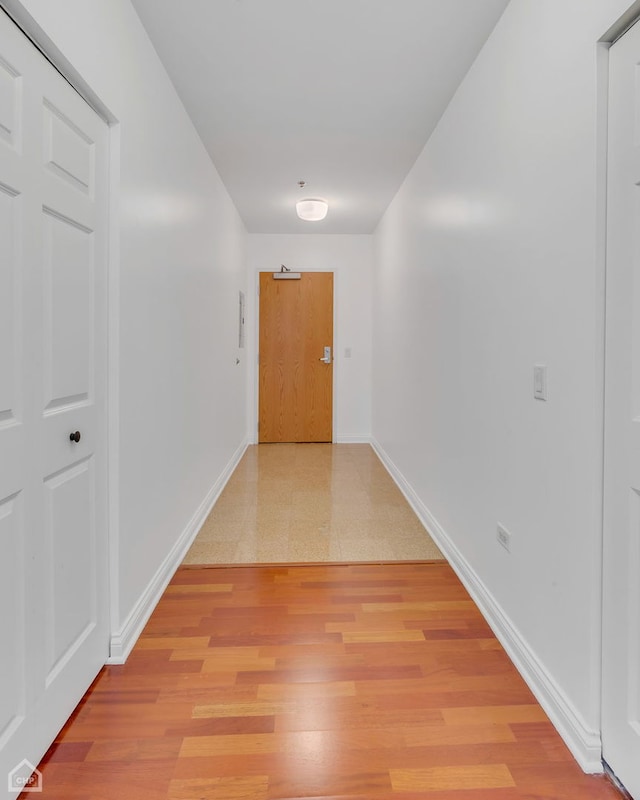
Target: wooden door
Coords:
[(295, 379), (621, 588), (53, 336)]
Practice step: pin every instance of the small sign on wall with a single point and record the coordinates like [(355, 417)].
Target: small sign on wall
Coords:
[(241, 319)]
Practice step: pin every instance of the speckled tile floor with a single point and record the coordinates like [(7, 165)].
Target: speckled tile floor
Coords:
[(311, 503)]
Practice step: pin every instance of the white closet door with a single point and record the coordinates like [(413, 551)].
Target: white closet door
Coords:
[(53, 321), (621, 610)]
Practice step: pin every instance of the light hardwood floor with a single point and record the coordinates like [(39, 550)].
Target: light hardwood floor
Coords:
[(311, 502), (334, 682)]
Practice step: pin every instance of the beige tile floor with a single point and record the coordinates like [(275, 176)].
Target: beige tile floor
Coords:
[(311, 502)]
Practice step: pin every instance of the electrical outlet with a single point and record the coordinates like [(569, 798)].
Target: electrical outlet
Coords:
[(504, 537)]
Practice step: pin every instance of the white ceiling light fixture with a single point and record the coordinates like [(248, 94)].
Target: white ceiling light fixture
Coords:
[(312, 210)]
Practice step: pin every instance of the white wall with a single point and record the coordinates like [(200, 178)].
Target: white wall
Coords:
[(351, 258), (180, 266), (488, 261)]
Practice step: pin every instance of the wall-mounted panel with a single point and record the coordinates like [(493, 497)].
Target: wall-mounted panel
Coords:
[(69, 536), (69, 312), (11, 621), (69, 152), (9, 104)]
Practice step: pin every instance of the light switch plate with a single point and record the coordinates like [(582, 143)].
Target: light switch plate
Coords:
[(540, 381), (504, 537)]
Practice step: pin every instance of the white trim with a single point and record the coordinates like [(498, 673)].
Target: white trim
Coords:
[(32, 30), (123, 641), (584, 742), (113, 375), (622, 25), (353, 439), (596, 577)]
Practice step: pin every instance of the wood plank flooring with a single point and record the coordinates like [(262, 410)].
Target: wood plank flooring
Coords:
[(340, 682)]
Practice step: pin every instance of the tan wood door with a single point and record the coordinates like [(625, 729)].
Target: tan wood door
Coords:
[(295, 383)]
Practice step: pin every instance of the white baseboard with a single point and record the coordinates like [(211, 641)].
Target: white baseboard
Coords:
[(353, 440), (122, 642), (584, 742)]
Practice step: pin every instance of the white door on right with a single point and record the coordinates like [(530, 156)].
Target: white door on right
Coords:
[(621, 590)]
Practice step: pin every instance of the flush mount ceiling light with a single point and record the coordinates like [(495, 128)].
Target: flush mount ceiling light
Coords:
[(312, 210)]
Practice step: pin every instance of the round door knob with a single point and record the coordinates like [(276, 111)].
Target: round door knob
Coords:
[(75, 437)]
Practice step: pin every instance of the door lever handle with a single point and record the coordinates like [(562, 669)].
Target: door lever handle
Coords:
[(326, 358)]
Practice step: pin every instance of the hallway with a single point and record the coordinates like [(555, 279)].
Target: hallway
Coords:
[(309, 503), (475, 308)]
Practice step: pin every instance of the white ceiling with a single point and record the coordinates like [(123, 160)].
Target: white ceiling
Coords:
[(340, 93)]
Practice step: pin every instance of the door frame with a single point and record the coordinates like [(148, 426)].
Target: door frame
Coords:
[(110, 443), (254, 315), (630, 18)]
